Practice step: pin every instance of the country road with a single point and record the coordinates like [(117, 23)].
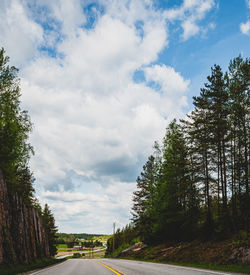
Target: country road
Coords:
[(120, 267)]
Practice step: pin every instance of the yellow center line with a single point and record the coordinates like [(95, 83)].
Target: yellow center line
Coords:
[(117, 272)]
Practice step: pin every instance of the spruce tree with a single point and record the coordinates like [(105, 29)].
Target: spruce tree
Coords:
[(51, 229), (142, 199), (238, 81), (15, 127)]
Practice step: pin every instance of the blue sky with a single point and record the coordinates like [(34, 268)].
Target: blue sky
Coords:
[(101, 81)]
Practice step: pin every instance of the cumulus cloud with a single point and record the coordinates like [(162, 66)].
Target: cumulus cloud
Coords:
[(19, 34), (190, 13), (93, 211), (245, 27), (189, 29), (171, 82), (93, 125)]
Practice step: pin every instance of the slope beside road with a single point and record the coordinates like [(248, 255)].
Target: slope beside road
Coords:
[(121, 267)]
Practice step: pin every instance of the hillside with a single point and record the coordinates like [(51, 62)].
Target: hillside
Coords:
[(196, 252), (229, 255)]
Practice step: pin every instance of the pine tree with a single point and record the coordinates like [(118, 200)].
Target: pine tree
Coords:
[(143, 197), (199, 131), (15, 126), (238, 79), (173, 203), (51, 229)]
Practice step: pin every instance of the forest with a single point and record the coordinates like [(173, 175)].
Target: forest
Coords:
[(195, 185)]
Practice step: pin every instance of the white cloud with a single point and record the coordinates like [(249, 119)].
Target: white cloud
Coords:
[(245, 27), (190, 13), (171, 82), (248, 4), (189, 29), (92, 212), (19, 34), (94, 126)]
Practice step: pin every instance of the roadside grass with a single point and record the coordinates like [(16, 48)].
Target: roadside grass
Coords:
[(244, 269), (62, 245), (6, 269)]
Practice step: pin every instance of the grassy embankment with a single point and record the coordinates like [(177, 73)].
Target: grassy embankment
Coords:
[(32, 265), (224, 255)]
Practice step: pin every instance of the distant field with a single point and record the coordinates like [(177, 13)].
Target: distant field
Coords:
[(101, 238), (62, 246)]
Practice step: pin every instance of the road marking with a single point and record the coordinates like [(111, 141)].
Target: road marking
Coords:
[(117, 272)]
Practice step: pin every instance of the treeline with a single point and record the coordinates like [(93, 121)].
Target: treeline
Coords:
[(122, 239), (71, 237), (15, 150), (82, 239), (196, 183)]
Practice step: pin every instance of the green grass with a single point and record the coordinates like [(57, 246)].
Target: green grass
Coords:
[(6, 269), (101, 238), (63, 245)]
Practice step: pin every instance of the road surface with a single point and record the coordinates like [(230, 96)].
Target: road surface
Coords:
[(120, 267)]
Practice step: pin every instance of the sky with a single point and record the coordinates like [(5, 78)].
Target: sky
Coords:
[(101, 80)]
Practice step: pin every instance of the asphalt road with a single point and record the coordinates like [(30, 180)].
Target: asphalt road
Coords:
[(120, 267)]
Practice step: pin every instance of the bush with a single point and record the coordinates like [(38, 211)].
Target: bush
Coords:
[(77, 255)]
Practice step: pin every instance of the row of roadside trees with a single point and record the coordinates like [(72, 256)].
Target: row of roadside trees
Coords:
[(196, 182)]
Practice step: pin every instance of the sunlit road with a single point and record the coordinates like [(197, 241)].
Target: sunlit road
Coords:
[(120, 267)]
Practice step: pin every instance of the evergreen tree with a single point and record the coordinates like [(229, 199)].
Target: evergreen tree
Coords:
[(15, 126), (238, 79), (51, 229), (143, 198), (199, 134), (175, 187)]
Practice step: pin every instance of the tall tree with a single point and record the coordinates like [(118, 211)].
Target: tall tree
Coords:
[(143, 196), (238, 80), (51, 229), (174, 189), (199, 131), (15, 126)]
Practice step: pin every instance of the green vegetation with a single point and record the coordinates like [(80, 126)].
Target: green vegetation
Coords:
[(50, 229), (61, 246), (77, 255), (15, 126), (123, 238), (196, 183), (65, 237), (32, 265), (80, 239), (102, 238)]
